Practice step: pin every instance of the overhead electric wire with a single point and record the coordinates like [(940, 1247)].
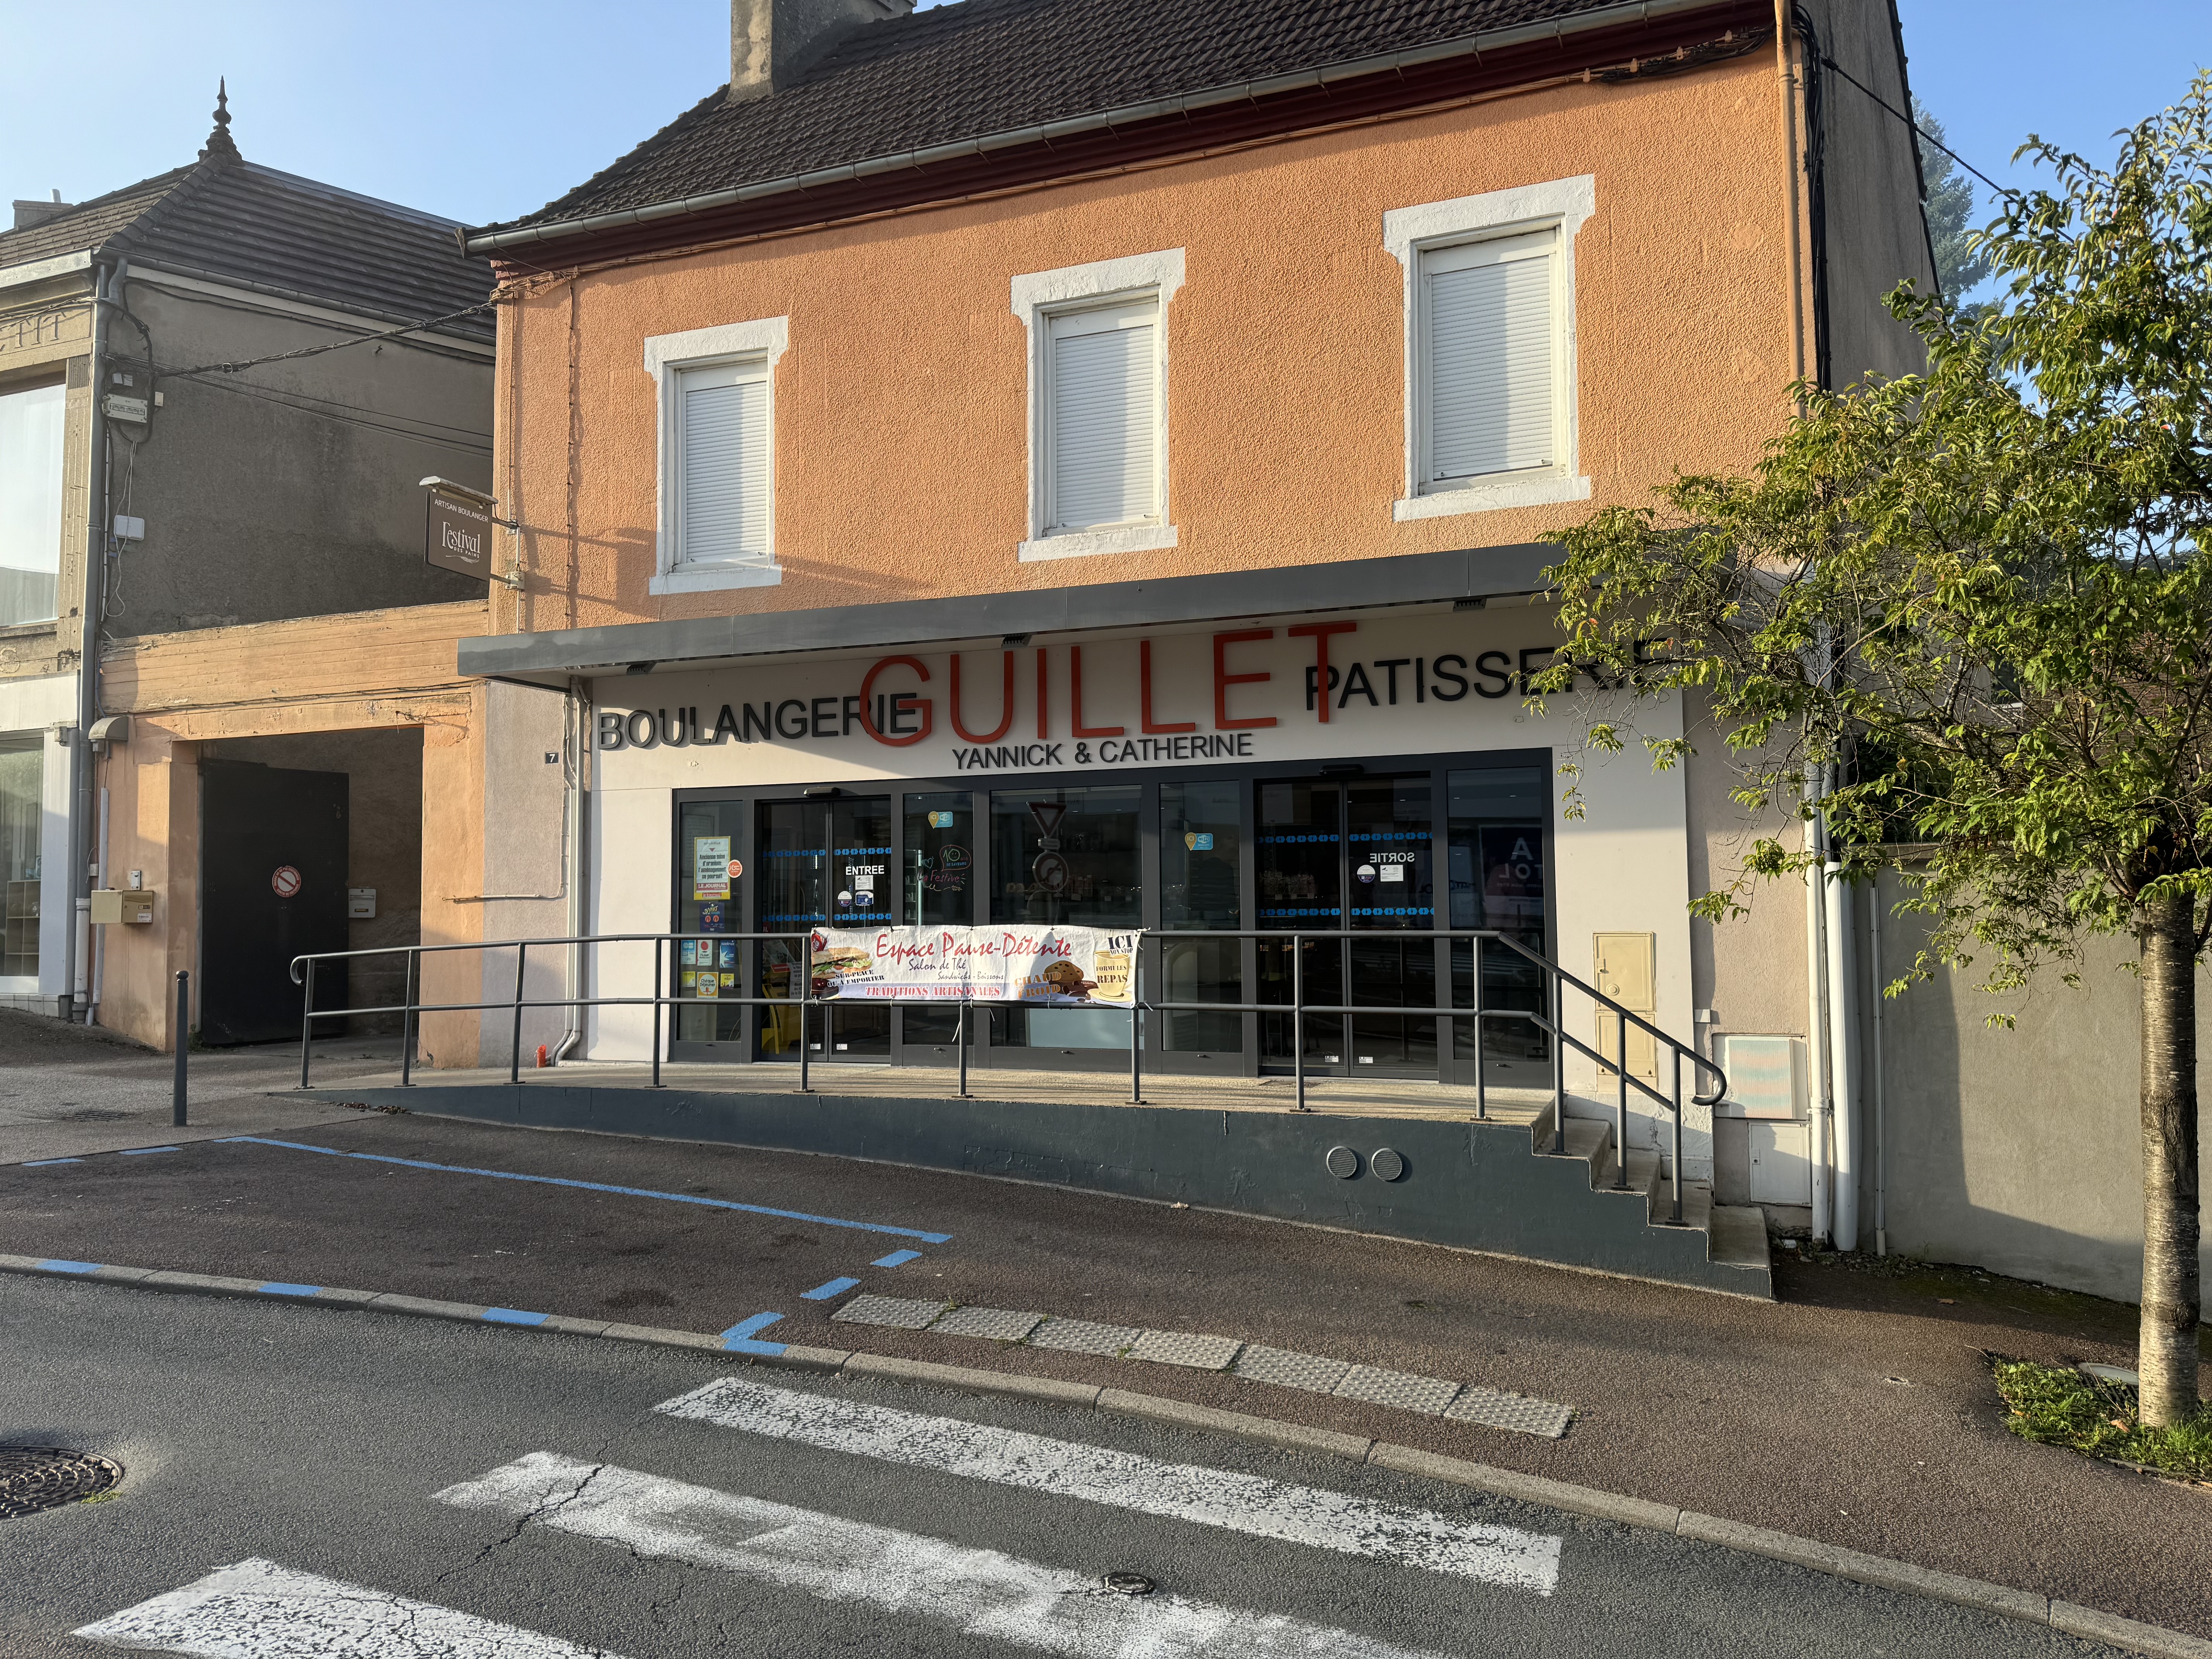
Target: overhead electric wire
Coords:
[(284, 401), (335, 345), (1829, 63)]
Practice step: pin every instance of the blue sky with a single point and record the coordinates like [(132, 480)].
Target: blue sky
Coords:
[(483, 109)]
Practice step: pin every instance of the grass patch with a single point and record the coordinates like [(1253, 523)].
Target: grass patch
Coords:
[(2060, 1406)]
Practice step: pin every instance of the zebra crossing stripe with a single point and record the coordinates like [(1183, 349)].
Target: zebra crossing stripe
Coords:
[(257, 1609), (982, 1593), (1249, 1504)]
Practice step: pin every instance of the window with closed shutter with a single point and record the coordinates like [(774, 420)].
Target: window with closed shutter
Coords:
[(722, 465), (1489, 362), (1102, 417)]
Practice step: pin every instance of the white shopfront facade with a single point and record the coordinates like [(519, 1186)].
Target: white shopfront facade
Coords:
[(1190, 777)]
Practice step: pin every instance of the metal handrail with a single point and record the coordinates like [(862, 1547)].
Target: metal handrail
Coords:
[(1556, 980)]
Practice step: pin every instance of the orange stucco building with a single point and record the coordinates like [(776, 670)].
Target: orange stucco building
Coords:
[(937, 461)]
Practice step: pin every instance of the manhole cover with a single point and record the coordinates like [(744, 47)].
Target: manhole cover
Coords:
[(1128, 1583), (34, 1478)]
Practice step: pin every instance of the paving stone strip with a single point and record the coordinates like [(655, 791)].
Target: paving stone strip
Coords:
[(1283, 1368)]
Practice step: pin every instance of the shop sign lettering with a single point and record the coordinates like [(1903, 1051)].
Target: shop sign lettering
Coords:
[(901, 700)]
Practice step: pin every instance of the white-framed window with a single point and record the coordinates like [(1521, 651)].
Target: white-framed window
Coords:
[(33, 421), (1490, 348), (717, 455), (1099, 409)]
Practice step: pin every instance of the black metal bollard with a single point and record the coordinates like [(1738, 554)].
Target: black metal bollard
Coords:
[(183, 1039)]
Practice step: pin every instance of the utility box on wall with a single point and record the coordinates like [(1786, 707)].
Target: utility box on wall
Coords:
[(1627, 970), (134, 908), (1762, 1139), (1781, 1162)]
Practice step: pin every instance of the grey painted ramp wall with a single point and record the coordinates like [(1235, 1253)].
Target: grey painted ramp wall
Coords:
[(1476, 1186)]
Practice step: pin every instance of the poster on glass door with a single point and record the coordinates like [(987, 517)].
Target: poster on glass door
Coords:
[(1066, 966)]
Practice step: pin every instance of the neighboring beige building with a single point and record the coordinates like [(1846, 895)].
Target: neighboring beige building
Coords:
[(280, 363)]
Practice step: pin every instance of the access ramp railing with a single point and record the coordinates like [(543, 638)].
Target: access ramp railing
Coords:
[(1550, 1018)]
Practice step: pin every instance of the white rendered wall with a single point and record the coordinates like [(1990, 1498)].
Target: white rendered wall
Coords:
[(1623, 866)]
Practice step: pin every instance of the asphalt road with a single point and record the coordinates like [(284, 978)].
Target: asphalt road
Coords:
[(1782, 1416), (320, 1442)]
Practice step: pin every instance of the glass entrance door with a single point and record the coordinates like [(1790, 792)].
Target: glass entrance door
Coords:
[(1357, 852), (710, 850), (821, 864), (1499, 878)]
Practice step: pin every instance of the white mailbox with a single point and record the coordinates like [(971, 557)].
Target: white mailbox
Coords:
[(361, 905)]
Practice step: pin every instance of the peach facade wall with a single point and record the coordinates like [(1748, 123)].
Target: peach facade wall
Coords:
[(902, 406), (321, 674)]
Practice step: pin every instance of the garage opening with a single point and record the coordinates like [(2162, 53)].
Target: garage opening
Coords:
[(309, 843)]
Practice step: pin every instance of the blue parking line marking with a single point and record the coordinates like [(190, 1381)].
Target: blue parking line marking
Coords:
[(824, 1292), (513, 1316), (896, 1259), (603, 1187), (49, 1163), (288, 1145), (141, 1151), (278, 1287), (739, 1338), (57, 1266)]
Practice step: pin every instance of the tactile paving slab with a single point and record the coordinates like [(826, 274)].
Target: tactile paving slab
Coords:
[(1287, 1369), (1428, 1395), (1085, 1336), (1201, 1353), (899, 1313), (1000, 1324), (1517, 1412)]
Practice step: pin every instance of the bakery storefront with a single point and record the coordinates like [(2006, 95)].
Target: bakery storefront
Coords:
[(1374, 771)]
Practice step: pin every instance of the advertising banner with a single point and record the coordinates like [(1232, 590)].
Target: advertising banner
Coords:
[(1069, 966)]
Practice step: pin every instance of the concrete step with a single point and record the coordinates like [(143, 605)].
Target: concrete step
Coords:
[(1643, 1172), (1697, 1203), (1737, 1237), (1587, 1136)]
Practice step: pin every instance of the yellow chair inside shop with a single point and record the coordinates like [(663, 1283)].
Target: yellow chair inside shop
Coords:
[(779, 1026)]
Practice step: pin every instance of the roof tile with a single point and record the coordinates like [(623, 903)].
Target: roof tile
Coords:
[(982, 66), (273, 230)]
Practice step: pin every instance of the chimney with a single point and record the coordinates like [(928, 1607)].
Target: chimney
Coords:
[(28, 213), (774, 42)]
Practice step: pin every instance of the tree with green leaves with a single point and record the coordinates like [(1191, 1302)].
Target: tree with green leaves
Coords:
[(1972, 609), (1959, 266)]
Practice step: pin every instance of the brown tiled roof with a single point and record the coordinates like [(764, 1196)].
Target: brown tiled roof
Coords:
[(272, 230), (88, 224), (987, 66)]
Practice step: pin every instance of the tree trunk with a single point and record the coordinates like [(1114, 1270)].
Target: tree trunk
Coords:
[(2167, 1351)]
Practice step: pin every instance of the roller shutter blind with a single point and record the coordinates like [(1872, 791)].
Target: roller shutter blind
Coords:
[(722, 481), (1490, 340), (1102, 415)]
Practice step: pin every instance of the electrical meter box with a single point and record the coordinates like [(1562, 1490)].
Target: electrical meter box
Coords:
[(133, 908)]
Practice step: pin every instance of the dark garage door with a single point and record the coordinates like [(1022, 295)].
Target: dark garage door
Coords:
[(273, 873)]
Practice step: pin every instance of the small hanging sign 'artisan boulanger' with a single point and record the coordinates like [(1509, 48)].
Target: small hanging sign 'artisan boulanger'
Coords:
[(457, 534)]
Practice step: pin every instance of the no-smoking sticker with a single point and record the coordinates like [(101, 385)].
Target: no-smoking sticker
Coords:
[(285, 882)]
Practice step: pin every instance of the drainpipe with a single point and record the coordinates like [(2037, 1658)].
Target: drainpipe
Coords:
[(1843, 1055), (76, 977), (99, 944), (1873, 1061), (1818, 1009), (1789, 228), (579, 713)]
